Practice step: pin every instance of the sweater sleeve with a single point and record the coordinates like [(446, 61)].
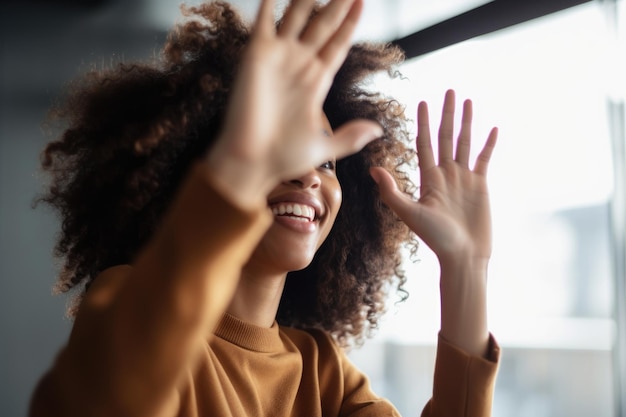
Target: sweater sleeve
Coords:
[(138, 329), (463, 385)]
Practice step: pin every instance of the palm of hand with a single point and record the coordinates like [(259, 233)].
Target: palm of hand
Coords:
[(282, 81), (452, 215), (274, 119), (453, 212)]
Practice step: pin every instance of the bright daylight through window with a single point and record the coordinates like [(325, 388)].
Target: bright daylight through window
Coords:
[(545, 84)]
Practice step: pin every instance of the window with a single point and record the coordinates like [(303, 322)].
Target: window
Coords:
[(546, 85)]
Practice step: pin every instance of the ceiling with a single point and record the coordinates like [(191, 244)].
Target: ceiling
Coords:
[(46, 43)]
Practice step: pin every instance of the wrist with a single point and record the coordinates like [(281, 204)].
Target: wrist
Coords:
[(464, 268), (239, 180)]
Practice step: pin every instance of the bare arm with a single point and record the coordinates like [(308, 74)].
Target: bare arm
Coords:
[(452, 217)]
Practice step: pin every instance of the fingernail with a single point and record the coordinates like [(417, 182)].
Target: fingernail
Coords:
[(375, 134), (374, 175)]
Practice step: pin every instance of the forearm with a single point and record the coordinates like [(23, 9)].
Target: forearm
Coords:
[(467, 355), (463, 288), (184, 280), (138, 331), (195, 259)]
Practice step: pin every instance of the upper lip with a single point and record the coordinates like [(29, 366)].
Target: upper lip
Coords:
[(299, 198)]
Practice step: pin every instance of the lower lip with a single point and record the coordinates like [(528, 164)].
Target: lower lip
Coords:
[(296, 225)]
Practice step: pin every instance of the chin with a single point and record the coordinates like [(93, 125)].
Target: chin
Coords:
[(300, 267), (291, 265), (282, 259)]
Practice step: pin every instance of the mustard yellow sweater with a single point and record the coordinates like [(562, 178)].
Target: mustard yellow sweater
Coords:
[(146, 344)]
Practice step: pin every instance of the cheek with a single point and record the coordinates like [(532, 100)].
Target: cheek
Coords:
[(335, 197)]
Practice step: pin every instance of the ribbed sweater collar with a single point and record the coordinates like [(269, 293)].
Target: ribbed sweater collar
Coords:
[(249, 336)]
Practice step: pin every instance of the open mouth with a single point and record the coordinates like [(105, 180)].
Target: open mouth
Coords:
[(301, 212)]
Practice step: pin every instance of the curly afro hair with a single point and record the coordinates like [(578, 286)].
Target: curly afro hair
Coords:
[(132, 131)]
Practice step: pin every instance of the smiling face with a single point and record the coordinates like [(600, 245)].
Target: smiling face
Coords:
[(304, 209)]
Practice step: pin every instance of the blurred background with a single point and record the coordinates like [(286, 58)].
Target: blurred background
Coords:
[(550, 74)]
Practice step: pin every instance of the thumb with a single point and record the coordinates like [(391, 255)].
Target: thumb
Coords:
[(398, 201), (351, 137)]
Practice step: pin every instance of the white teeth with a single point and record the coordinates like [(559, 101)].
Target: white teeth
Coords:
[(299, 211)]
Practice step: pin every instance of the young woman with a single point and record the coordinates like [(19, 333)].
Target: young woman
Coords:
[(229, 230)]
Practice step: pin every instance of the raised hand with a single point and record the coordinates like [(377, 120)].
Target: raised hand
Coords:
[(274, 130), (452, 215)]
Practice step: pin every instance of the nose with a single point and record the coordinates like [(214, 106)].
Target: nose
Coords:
[(309, 180)]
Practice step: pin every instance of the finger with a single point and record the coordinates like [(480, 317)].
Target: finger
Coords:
[(295, 18), (337, 47), (326, 23), (353, 136), (264, 23), (399, 202), (446, 129), (482, 161), (465, 136), (425, 156)]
